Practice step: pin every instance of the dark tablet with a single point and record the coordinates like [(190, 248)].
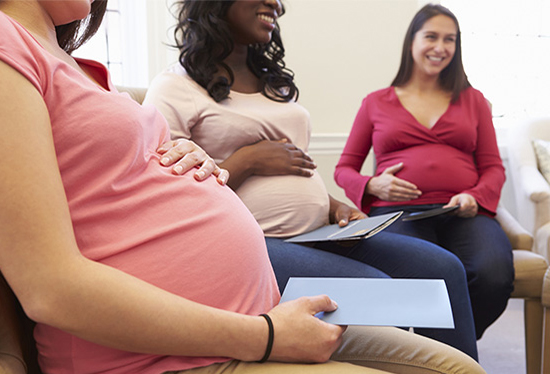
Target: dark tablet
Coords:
[(429, 213)]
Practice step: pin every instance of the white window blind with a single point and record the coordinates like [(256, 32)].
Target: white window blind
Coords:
[(506, 54)]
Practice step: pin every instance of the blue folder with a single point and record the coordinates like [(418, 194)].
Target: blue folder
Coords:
[(379, 302)]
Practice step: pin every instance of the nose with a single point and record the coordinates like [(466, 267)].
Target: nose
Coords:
[(439, 45), (275, 5)]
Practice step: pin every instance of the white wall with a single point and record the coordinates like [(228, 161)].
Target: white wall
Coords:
[(340, 50)]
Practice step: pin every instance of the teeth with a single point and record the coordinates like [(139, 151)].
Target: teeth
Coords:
[(266, 18), (435, 58)]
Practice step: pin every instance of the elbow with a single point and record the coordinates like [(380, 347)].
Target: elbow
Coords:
[(40, 308)]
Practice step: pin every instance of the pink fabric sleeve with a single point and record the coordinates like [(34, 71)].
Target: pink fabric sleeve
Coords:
[(348, 170)]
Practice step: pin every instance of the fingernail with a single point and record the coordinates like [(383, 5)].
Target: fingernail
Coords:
[(200, 174), (164, 160), (178, 169)]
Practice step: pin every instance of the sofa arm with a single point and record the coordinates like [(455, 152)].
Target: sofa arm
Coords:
[(518, 236), (136, 93), (533, 183)]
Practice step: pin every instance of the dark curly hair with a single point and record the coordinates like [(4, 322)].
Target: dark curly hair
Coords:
[(204, 40), (453, 78), (74, 34)]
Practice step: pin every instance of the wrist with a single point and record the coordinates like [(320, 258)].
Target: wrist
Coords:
[(256, 336), (270, 338)]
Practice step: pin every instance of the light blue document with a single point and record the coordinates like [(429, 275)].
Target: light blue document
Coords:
[(379, 302)]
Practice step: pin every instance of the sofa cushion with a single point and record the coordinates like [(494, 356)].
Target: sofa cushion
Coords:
[(542, 152)]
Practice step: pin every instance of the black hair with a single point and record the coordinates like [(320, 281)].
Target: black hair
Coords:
[(74, 34), (204, 40)]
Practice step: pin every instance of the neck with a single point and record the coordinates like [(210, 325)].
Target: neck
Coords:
[(33, 18), (423, 83), (237, 59)]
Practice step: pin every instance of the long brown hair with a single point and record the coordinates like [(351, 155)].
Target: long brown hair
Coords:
[(453, 78), (74, 34)]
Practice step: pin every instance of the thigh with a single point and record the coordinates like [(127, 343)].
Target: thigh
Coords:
[(402, 256), (480, 243), (294, 260), (422, 229), (399, 351), (240, 367)]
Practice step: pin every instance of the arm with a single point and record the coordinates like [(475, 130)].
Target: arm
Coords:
[(267, 157), (486, 193), (58, 286), (348, 170), (362, 189)]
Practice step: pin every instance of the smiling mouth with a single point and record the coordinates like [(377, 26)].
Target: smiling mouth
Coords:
[(433, 58), (266, 18)]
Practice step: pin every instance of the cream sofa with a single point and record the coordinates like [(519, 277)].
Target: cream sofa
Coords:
[(531, 189)]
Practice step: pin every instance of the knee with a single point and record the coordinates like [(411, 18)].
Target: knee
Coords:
[(496, 280)]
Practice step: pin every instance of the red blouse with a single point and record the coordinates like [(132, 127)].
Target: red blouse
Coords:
[(459, 154)]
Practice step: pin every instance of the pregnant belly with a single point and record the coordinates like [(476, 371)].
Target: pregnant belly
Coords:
[(286, 205), (434, 169)]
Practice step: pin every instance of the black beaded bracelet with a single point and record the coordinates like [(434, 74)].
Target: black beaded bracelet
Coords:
[(269, 338)]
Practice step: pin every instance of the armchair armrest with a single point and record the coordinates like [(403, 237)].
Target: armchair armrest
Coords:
[(533, 183), (518, 236)]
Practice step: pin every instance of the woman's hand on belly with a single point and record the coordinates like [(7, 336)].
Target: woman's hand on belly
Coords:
[(388, 187), (279, 157), (468, 205), (183, 155), (267, 158)]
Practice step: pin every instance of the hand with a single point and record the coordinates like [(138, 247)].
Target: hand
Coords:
[(299, 335), (468, 205), (343, 213), (279, 157), (184, 155), (388, 187)]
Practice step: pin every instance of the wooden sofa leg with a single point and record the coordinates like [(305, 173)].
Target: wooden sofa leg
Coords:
[(533, 313)]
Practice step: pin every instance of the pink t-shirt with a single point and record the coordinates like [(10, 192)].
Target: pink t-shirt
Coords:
[(459, 154), (196, 240)]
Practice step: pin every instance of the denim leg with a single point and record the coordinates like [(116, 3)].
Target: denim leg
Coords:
[(402, 256), (295, 260), (486, 253), (482, 247)]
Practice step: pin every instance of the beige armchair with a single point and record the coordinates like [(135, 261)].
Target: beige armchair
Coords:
[(546, 327), (532, 191), (530, 269)]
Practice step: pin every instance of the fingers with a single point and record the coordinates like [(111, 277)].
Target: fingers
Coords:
[(468, 205), (321, 303), (175, 150), (184, 155), (222, 175)]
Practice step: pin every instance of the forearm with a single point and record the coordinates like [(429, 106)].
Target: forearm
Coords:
[(240, 166), (136, 316)]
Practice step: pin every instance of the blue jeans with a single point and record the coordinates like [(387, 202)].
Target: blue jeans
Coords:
[(384, 255), (483, 248)]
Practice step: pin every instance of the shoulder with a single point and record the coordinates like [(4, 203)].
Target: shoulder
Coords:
[(384, 94), (22, 52), (474, 98), (173, 86)]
